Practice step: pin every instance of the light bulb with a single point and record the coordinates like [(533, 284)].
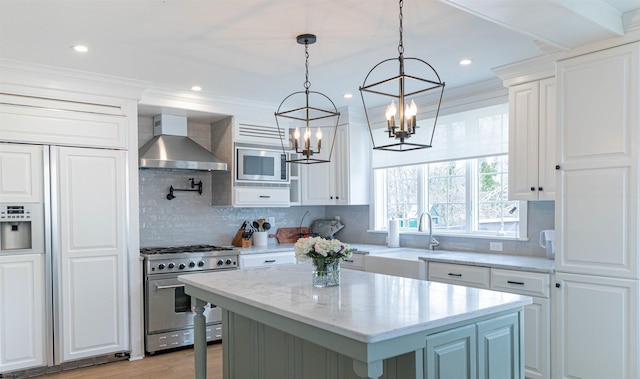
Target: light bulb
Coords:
[(296, 134), (391, 110), (319, 134), (411, 110)]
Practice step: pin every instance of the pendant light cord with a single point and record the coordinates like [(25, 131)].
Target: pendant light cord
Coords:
[(307, 83), (400, 45)]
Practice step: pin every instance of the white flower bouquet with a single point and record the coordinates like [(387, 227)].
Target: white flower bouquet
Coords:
[(320, 249)]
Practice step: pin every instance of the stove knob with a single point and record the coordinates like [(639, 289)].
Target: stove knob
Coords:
[(228, 261), (192, 264), (220, 262), (172, 265), (201, 263), (182, 266), (161, 266)]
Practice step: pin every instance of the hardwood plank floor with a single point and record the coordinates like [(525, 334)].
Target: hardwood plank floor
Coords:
[(175, 365)]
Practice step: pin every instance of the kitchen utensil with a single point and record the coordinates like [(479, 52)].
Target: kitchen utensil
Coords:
[(266, 226), (256, 225)]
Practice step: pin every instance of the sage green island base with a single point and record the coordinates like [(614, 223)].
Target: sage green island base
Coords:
[(276, 325)]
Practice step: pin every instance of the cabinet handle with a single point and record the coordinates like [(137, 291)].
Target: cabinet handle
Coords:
[(533, 188), (270, 261), (539, 188), (349, 260), (457, 275), (514, 282), (265, 196), (169, 286), (557, 167)]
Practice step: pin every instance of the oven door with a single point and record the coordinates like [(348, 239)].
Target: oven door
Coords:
[(168, 307)]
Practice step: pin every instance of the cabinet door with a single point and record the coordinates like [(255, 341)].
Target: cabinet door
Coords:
[(22, 312), (523, 141), (547, 160), (452, 354), (537, 339), (595, 327), (340, 166), (90, 283), (318, 179), (20, 173), (499, 347)]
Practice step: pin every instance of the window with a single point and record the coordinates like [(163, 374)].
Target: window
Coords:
[(466, 194)]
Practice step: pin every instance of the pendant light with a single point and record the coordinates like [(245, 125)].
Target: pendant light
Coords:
[(308, 120), (401, 130)]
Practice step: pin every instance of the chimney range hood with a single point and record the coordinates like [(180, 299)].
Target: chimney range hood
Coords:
[(171, 148)]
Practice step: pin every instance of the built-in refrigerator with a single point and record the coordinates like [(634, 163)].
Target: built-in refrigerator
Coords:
[(63, 257)]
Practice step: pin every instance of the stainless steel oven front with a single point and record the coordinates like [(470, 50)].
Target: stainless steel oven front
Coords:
[(169, 311)]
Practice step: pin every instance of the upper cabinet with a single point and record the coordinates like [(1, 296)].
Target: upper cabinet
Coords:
[(20, 173), (598, 158), (344, 180), (532, 136)]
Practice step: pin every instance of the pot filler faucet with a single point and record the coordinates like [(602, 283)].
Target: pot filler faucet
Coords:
[(432, 241)]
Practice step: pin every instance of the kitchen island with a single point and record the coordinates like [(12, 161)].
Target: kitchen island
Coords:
[(277, 325)]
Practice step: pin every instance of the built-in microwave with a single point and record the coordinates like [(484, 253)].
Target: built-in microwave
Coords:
[(256, 164)]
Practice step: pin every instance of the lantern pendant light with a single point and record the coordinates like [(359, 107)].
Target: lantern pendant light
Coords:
[(307, 119), (400, 126)]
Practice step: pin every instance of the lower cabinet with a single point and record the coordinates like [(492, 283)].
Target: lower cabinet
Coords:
[(489, 349), (22, 312), (537, 316), (267, 259), (452, 354)]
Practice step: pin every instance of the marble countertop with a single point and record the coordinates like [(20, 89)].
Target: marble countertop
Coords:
[(503, 261), (367, 307)]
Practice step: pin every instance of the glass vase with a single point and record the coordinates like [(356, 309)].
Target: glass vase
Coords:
[(326, 274)]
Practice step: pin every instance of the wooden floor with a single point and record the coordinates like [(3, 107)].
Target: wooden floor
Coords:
[(175, 365)]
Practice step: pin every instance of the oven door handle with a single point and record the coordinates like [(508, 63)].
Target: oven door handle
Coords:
[(169, 286)]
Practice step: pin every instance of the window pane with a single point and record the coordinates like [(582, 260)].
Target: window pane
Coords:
[(493, 207), (402, 194), (447, 194)]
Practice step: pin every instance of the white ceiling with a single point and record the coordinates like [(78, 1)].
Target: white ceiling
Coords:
[(246, 49)]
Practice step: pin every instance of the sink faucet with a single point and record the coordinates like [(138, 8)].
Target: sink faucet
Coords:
[(432, 241)]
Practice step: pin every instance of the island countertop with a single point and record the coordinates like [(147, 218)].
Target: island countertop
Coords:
[(365, 307)]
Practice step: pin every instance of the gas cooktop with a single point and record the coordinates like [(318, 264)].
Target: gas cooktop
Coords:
[(183, 249)]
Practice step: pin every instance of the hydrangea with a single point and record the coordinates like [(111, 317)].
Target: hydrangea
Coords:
[(320, 248)]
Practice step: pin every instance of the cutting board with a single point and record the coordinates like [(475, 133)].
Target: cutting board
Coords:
[(290, 235)]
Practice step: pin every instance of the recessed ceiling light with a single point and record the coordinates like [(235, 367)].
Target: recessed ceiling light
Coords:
[(196, 88), (80, 48), (347, 95), (466, 62)]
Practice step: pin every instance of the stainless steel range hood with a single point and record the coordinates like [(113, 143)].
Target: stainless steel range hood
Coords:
[(171, 148)]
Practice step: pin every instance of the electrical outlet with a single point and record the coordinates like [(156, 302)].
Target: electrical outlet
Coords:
[(337, 218), (495, 246), (271, 220)]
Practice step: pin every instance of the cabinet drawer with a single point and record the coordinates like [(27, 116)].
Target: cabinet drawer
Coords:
[(267, 259), (521, 282), (356, 262), (262, 196), (472, 276)]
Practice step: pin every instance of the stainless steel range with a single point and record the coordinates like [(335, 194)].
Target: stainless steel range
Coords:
[(168, 321)]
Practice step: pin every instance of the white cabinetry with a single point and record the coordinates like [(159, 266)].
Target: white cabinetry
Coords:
[(596, 318), (88, 192), (267, 259), (22, 316), (537, 316), (345, 180), (532, 136), (463, 275), (20, 174)]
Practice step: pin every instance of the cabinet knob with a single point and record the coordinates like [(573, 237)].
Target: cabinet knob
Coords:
[(557, 285), (557, 167), (539, 188), (533, 188)]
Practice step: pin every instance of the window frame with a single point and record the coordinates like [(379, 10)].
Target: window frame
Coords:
[(380, 218)]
